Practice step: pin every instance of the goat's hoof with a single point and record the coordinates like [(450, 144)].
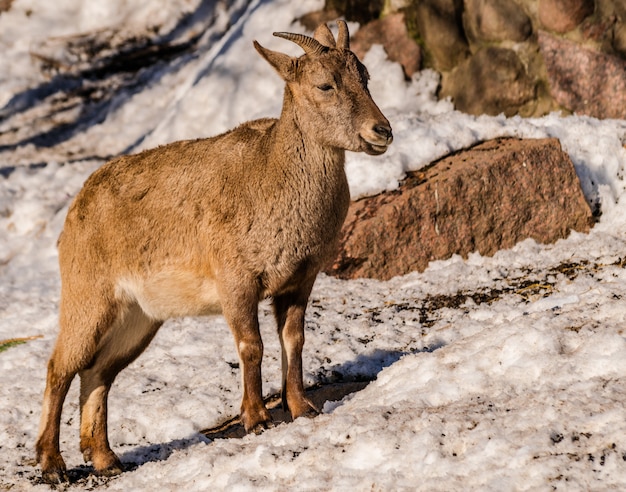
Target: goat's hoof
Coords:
[(53, 469), (111, 471), (261, 427), (306, 409), (310, 413), (107, 464), (54, 477)]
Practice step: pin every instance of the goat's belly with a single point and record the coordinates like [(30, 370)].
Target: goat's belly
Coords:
[(171, 294)]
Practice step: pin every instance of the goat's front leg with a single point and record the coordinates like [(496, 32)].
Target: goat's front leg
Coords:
[(289, 310), (241, 312)]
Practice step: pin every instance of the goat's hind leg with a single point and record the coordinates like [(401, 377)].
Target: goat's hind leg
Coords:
[(73, 351), (58, 381), (123, 343)]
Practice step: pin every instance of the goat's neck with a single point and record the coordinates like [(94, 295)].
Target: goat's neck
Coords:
[(293, 146)]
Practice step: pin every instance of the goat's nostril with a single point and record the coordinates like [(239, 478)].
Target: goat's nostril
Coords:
[(383, 130)]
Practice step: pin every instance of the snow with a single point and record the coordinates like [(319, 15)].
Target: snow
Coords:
[(490, 373)]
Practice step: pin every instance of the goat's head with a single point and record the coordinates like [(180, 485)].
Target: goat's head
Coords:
[(328, 85)]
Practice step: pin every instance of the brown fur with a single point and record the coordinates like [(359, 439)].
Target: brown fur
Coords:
[(204, 226)]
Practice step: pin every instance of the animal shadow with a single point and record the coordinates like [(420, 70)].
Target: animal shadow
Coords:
[(347, 379), (318, 395)]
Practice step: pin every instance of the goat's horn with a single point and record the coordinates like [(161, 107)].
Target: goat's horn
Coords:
[(343, 37), (308, 44)]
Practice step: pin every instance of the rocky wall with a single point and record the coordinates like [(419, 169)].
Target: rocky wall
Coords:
[(526, 57)]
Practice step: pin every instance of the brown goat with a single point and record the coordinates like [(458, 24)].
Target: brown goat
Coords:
[(208, 226)]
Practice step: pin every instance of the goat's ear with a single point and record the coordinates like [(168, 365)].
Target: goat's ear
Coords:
[(324, 35), (283, 64)]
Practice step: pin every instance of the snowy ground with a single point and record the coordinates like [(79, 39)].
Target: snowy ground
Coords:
[(502, 373)]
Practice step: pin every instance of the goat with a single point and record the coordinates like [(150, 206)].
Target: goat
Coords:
[(208, 226)]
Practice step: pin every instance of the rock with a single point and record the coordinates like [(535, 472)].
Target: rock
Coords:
[(5, 5), (582, 80), (361, 11), (562, 16), (492, 81), (440, 26), (483, 199), (618, 34), (391, 32), (619, 38), (495, 20), (313, 19)]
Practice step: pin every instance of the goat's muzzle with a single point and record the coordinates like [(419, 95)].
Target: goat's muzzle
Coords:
[(375, 140)]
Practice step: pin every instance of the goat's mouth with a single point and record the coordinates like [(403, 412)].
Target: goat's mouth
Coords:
[(374, 148)]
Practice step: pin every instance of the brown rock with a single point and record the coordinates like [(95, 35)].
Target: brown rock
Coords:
[(5, 5), (564, 15), (391, 32), (597, 30), (618, 35), (361, 11), (619, 38), (482, 199), (495, 20), (584, 81), (492, 81), (313, 19), (440, 26)]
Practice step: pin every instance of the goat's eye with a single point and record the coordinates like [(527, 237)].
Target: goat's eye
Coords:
[(325, 87)]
